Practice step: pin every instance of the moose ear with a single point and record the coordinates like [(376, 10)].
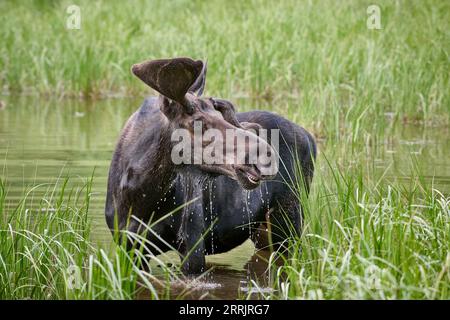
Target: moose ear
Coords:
[(199, 85), (172, 78), (226, 108)]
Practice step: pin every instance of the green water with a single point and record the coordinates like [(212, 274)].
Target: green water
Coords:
[(44, 140)]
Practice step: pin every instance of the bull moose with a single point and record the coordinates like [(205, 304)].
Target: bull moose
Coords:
[(221, 202)]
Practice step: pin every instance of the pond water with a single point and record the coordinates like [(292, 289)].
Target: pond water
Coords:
[(41, 140)]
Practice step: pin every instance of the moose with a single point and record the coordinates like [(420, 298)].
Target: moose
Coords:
[(222, 204)]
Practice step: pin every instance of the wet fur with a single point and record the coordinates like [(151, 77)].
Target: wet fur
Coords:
[(143, 181)]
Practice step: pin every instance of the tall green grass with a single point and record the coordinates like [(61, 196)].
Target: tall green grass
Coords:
[(46, 252), (363, 238), (320, 53), (367, 237)]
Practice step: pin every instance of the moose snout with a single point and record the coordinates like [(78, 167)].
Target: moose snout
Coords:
[(260, 157), (260, 164)]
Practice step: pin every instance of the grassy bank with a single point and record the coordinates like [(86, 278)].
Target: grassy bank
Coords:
[(320, 53)]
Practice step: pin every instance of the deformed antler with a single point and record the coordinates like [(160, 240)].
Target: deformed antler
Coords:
[(172, 78)]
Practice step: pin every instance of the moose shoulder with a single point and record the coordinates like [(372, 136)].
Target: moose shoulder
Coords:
[(223, 202)]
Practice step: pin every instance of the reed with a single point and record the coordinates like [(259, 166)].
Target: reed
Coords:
[(46, 252)]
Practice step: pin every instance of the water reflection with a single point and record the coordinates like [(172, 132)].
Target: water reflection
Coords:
[(225, 280)]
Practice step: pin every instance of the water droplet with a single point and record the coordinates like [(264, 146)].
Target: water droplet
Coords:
[(211, 212)]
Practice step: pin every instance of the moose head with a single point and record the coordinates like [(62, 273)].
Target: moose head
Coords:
[(214, 141)]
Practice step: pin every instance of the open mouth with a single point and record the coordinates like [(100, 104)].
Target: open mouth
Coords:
[(247, 179), (252, 178)]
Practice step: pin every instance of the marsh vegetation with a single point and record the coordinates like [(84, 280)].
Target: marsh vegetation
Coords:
[(377, 219)]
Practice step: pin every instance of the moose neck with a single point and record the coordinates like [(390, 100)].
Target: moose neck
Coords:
[(152, 173), (192, 183)]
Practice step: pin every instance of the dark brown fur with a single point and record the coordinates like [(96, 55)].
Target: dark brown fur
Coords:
[(143, 181)]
